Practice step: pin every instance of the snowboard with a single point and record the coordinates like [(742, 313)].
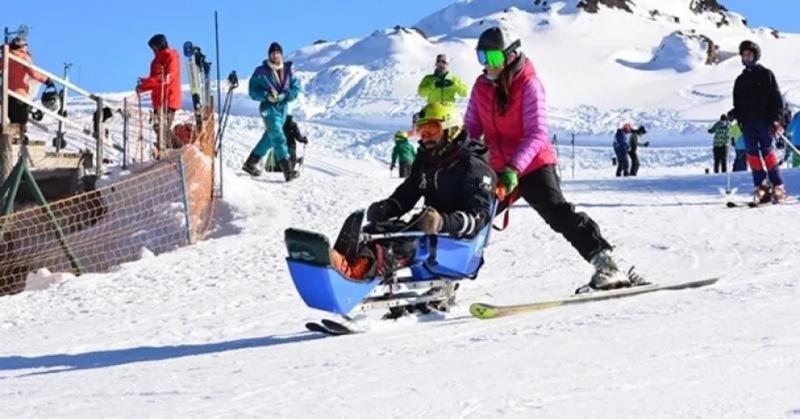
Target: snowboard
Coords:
[(489, 311)]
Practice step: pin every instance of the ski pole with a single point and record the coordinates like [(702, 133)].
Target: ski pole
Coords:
[(729, 170), (789, 143), (303, 158)]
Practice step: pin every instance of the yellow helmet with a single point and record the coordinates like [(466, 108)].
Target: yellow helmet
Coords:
[(400, 135), (447, 115)]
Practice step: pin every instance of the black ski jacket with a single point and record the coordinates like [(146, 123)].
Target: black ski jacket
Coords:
[(456, 181), (756, 96)]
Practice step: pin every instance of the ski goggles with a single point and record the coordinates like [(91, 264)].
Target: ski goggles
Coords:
[(492, 58), (430, 130)]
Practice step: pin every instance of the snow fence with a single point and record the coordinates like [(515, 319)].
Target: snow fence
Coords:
[(160, 206)]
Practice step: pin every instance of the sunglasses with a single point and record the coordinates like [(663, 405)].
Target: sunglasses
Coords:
[(492, 58), (430, 130), (441, 62)]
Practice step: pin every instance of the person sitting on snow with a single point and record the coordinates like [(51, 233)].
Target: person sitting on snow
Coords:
[(404, 152), (458, 187)]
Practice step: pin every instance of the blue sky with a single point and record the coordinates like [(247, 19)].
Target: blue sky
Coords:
[(107, 40)]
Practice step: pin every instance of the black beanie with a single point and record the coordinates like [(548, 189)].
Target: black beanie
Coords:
[(492, 38), (275, 47), (158, 41)]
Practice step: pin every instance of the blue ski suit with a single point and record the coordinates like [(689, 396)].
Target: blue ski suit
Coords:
[(273, 95)]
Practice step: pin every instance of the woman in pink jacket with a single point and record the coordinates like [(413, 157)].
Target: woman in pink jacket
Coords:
[(507, 107)]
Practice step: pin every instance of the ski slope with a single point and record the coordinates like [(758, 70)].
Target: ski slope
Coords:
[(216, 329)]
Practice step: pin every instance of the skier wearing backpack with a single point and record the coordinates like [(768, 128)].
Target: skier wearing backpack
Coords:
[(164, 85), (273, 85), (722, 136), (758, 107), (442, 86), (507, 108), (403, 152)]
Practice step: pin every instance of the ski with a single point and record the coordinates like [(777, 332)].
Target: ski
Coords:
[(194, 81), (489, 311), (330, 328)]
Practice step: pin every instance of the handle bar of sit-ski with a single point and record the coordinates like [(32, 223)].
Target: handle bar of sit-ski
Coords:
[(378, 236)]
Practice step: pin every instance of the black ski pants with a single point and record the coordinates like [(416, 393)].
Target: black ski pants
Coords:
[(720, 158), (405, 169), (634, 162), (541, 190), (622, 163)]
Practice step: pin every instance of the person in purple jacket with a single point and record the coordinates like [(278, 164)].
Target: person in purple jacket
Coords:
[(507, 108)]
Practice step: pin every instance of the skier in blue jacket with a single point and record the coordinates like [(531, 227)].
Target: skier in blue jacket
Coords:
[(273, 85), (621, 149)]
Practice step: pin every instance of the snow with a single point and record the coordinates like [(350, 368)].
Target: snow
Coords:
[(216, 329)]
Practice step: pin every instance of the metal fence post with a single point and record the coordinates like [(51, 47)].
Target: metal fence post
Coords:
[(99, 134), (186, 210), (125, 122), (573, 156)]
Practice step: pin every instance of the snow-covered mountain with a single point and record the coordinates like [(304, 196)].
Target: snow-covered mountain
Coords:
[(600, 61)]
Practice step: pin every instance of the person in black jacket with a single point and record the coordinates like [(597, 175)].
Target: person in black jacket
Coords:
[(452, 176), (758, 107), (293, 136)]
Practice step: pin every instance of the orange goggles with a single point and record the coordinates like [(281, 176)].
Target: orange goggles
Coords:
[(430, 130)]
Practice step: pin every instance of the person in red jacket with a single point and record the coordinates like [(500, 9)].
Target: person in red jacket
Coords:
[(164, 85), (18, 78), (507, 108)]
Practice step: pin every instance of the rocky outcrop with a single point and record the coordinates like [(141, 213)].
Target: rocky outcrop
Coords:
[(593, 6)]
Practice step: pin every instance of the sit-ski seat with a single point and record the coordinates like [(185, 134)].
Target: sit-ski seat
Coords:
[(324, 288)]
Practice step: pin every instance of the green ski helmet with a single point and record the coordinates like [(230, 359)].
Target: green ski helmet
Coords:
[(400, 135)]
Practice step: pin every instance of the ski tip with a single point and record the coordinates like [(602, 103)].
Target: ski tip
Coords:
[(483, 311)]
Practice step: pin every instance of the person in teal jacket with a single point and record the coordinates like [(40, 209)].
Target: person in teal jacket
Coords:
[(404, 152), (737, 139), (273, 85), (793, 131), (442, 86)]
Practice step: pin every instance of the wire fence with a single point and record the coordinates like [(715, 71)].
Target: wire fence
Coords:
[(159, 208)]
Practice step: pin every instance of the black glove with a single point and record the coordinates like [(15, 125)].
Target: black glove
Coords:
[(49, 83), (303, 140), (647, 144), (381, 211)]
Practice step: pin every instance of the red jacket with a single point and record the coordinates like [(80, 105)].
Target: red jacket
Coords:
[(18, 74), (517, 138), (167, 61)]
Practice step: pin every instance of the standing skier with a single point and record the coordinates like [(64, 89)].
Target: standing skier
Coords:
[(164, 85), (621, 149), (507, 107), (404, 152), (758, 106), (722, 136), (442, 86), (634, 143), (450, 174), (273, 85), (18, 81), (293, 136), (737, 140)]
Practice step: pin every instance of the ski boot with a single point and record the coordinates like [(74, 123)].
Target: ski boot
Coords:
[(779, 194), (251, 165), (288, 173), (607, 275), (761, 195)]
